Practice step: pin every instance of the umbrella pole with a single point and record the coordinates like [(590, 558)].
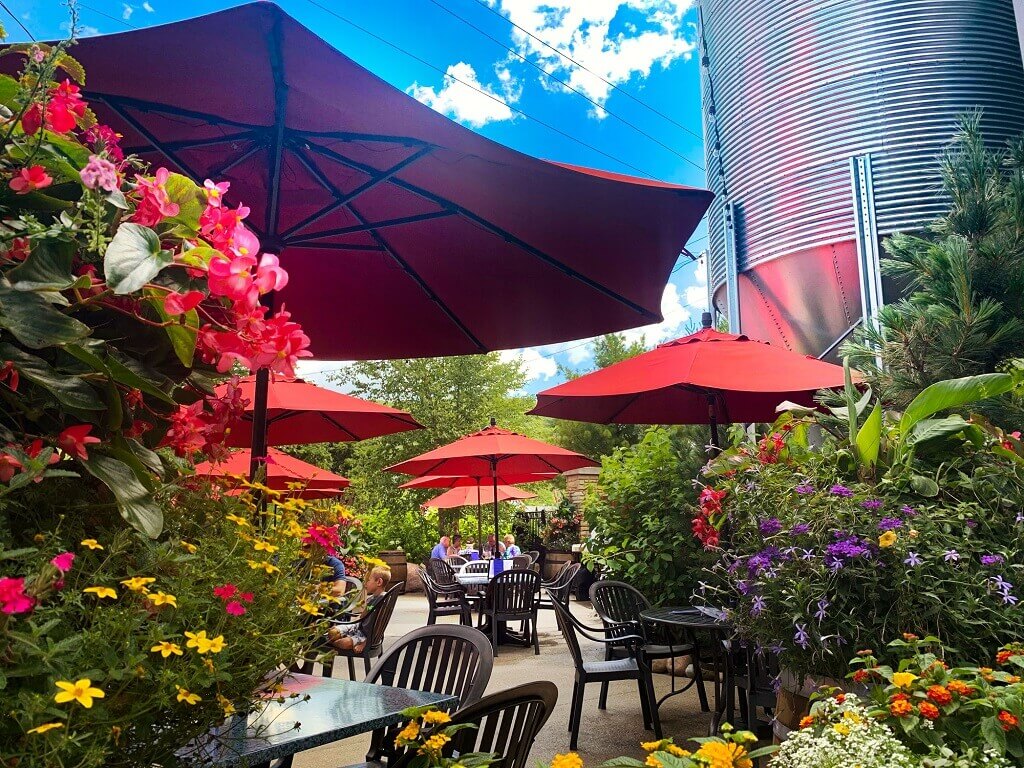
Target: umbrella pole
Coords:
[(494, 478), (479, 521), (716, 443), (258, 451)]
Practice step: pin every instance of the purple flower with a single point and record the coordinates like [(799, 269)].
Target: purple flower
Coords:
[(801, 637), (807, 555), (799, 529), (913, 559), (992, 559), (777, 648), (820, 614), (840, 490), (1020, 518), (951, 556), (743, 586), (846, 547), (1001, 584), (908, 510), (972, 524), (872, 504), (804, 488), (757, 607), (1009, 599), (769, 525), (890, 524), (776, 684)]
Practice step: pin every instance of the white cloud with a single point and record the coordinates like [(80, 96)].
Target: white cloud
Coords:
[(616, 39), (83, 30), (127, 11), (676, 315), (320, 372), (458, 99), (148, 8), (696, 295), (535, 364)]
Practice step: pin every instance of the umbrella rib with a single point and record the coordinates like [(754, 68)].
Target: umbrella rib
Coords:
[(194, 143), (365, 187), (342, 427), (144, 105), (148, 135), (379, 239), (280, 116), (368, 226)]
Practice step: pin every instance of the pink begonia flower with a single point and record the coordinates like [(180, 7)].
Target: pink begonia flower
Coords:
[(203, 425), (154, 205), (218, 223), (100, 174), (269, 275), (64, 107), (63, 561), (12, 596), (30, 179), (74, 439), (235, 608), (179, 303), (103, 138), (9, 467), (215, 192)]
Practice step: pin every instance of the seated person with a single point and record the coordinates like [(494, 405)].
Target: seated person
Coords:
[(456, 546), (440, 550), (511, 550), (353, 636), (336, 575), (494, 547)]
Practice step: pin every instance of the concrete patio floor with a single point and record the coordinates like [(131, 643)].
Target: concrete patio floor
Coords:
[(604, 734)]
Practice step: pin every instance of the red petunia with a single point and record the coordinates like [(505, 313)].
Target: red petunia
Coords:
[(74, 439), (235, 608), (225, 591), (30, 179)]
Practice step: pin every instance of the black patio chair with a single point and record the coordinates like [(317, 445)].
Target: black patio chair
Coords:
[(521, 563), (449, 600), (619, 605), (375, 638), (611, 670), (507, 724), (442, 573), (456, 561), (534, 556), (447, 659), (559, 588), (512, 596)]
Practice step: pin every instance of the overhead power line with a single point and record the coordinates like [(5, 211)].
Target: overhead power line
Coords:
[(18, 21), (564, 84), (98, 12), (573, 61)]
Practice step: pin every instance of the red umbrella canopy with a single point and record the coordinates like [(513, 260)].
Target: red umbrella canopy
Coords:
[(466, 481), (298, 412), (404, 234), (282, 470), (474, 496), (494, 450), (745, 380)]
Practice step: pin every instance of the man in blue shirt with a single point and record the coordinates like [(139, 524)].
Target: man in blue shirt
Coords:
[(440, 550)]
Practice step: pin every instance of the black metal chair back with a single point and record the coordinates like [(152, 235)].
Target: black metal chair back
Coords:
[(521, 562), (567, 626), (561, 588), (534, 556), (456, 561), (381, 616), (448, 659), (618, 603), (512, 594), (441, 572)]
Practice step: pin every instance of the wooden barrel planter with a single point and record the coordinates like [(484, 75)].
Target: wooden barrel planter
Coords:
[(395, 559), (554, 561), (793, 701)]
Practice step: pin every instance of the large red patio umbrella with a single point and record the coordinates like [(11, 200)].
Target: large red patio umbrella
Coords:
[(474, 489), (705, 378), (404, 233), (470, 481), (299, 412), (282, 470), (491, 451)]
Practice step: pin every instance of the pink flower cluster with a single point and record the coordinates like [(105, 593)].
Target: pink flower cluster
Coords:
[(12, 596), (325, 536), (64, 107), (233, 599), (203, 425), (100, 174), (154, 202)]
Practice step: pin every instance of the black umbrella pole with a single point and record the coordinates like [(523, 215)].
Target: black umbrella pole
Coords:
[(716, 442), (494, 478), (259, 422)]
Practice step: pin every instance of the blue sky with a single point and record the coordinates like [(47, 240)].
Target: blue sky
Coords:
[(644, 48)]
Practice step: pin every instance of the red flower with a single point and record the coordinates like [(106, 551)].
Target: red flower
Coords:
[(19, 249), (246, 596), (30, 179), (32, 120), (225, 591), (1007, 720), (235, 608), (861, 675), (9, 374), (179, 303), (12, 596), (63, 561), (9, 466), (65, 107), (928, 710), (940, 695), (74, 439)]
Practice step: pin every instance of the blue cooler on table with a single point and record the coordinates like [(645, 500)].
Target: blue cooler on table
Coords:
[(497, 566)]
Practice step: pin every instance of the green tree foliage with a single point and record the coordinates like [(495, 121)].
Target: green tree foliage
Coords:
[(640, 514), (597, 440), (451, 397), (964, 312)]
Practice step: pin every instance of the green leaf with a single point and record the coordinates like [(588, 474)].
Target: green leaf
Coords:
[(869, 438), (69, 390), (951, 393), (133, 258), (35, 323), (935, 429), (994, 735), (47, 268), (8, 90), (190, 198), (134, 500), (184, 335), (924, 486), (125, 375)]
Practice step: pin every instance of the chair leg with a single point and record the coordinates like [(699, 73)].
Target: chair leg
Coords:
[(366, 665), (351, 668), (572, 707), (328, 667), (577, 712), (536, 636), (645, 708), (494, 634), (652, 703), (698, 677), (602, 701)]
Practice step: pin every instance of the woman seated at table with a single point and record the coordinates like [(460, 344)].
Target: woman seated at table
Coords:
[(511, 550), (455, 548), (353, 636)]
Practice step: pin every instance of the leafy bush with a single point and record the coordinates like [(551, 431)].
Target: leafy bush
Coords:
[(639, 515), (889, 526)]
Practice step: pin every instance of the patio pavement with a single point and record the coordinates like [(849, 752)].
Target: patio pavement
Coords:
[(613, 732)]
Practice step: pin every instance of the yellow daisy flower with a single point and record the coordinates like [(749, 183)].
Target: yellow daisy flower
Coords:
[(190, 548), (101, 592), (187, 696), (241, 522), (45, 727), (162, 598), (264, 546), (138, 583), (265, 565), (81, 691), (165, 648), (226, 705), (311, 608), (91, 544), (568, 760)]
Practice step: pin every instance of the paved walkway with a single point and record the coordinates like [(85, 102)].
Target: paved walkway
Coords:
[(604, 734)]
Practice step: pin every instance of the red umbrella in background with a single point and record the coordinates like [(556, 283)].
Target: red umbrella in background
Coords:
[(404, 233), (282, 470), (477, 496), (492, 451), (704, 378), (469, 481), (298, 413)]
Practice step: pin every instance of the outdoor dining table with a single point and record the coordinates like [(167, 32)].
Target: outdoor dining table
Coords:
[(695, 620), (326, 710)]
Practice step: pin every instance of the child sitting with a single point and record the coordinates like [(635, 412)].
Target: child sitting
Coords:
[(353, 636)]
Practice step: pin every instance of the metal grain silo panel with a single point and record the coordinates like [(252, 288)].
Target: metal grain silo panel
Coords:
[(792, 91)]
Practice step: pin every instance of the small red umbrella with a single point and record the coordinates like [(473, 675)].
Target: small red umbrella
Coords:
[(282, 470), (299, 412), (704, 378), (467, 481), (492, 451), (474, 496)]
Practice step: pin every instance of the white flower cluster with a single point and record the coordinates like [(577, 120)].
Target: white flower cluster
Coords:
[(942, 757), (843, 736)]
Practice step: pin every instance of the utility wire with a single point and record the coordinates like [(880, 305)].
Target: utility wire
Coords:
[(97, 11), (570, 59), (564, 84), (18, 21), (490, 96)]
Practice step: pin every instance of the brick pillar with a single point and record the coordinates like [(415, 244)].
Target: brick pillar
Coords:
[(576, 483)]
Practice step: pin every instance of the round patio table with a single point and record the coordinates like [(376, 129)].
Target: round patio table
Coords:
[(694, 620)]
